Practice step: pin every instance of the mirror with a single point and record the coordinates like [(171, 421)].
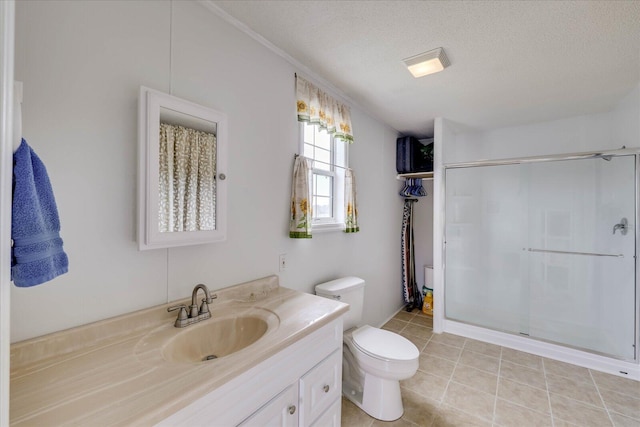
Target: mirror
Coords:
[(182, 184)]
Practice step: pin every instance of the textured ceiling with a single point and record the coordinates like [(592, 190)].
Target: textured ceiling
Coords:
[(512, 62)]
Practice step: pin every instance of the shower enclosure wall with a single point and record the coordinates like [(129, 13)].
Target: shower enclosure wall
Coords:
[(545, 248)]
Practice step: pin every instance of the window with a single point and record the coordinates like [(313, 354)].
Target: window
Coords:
[(328, 159)]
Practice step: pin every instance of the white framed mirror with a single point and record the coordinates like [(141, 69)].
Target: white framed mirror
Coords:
[(181, 172)]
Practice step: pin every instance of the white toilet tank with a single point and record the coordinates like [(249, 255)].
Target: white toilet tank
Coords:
[(349, 290)]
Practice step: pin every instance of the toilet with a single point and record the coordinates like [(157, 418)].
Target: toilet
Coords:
[(374, 360)]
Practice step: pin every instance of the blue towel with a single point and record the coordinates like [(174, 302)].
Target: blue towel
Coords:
[(37, 255)]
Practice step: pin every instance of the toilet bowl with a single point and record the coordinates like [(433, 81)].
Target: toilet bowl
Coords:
[(374, 360)]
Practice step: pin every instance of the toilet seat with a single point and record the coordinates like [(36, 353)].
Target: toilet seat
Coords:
[(384, 345)]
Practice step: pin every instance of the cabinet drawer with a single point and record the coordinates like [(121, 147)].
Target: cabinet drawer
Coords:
[(320, 387)]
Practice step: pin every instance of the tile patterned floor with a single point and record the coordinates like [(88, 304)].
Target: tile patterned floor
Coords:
[(463, 382)]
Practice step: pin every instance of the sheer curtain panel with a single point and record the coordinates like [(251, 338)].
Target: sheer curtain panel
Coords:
[(300, 222), (350, 203), (187, 181)]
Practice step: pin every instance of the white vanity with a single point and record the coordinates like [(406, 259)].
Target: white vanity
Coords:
[(126, 371), (299, 386)]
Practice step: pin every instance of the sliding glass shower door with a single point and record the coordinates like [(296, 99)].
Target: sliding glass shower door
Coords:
[(546, 250)]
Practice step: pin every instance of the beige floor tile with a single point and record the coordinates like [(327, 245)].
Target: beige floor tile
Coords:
[(483, 348), (475, 378), (622, 403), (521, 374), (619, 384), (417, 341), (425, 321), (418, 409), (451, 417), (479, 361), (524, 395), (531, 361), (436, 365), (622, 421), (509, 414), (418, 331), (395, 325), (404, 315), (443, 350), (563, 369), (470, 401), (449, 339), (354, 416), (577, 412), (578, 390), (457, 386), (426, 385)]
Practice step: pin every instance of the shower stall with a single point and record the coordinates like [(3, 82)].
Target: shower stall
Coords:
[(545, 248)]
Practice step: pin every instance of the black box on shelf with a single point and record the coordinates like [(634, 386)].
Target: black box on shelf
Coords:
[(413, 156)]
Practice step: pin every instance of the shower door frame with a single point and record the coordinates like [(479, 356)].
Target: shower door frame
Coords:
[(536, 345)]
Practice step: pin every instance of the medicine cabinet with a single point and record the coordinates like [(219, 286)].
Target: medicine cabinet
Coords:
[(182, 186)]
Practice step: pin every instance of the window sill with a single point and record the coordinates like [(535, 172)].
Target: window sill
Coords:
[(326, 228)]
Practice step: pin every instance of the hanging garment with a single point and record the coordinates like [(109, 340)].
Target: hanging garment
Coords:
[(410, 291)]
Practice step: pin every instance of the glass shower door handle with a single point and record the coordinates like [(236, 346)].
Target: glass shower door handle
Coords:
[(623, 226)]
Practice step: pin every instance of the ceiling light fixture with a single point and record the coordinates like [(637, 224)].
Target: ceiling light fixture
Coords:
[(427, 63)]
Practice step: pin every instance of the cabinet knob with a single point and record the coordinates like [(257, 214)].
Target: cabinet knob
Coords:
[(326, 388), (292, 409)]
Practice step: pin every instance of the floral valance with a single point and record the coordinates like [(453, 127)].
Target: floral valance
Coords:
[(315, 106)]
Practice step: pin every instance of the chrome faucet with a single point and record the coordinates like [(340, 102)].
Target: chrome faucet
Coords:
[(195, 314)]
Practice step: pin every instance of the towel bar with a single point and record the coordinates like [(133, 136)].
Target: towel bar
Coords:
[(573, 253)]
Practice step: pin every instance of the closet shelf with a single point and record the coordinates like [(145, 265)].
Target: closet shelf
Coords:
[(423, 175)]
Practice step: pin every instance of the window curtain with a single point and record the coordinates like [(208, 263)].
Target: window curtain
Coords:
[(187, 179), (350, 204), (315, 106), (300, 223)]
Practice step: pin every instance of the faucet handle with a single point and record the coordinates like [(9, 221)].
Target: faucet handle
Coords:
[(204, 307), (182, 315)]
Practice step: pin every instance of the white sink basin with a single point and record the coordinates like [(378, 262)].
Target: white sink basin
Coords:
[(214, 338), (227, 332)]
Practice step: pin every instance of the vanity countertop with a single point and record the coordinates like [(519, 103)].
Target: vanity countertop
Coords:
[(97, 374)]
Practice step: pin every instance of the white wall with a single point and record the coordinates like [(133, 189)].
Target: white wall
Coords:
[(82, 64), (602, 131), (626, 120)]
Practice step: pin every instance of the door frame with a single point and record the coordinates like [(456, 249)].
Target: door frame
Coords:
[(7, 34)]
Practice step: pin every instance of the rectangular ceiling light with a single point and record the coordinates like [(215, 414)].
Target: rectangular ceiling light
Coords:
[(427, 63)]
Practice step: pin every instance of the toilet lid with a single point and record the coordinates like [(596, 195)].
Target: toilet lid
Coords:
[(384, 344)]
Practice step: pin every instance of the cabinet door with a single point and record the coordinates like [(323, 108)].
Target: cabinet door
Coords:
[(320, 387), (281, 411), (331, 417)]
